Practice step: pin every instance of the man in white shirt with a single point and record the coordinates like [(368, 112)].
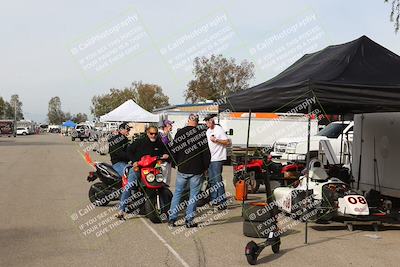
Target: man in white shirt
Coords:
[(217, 143)]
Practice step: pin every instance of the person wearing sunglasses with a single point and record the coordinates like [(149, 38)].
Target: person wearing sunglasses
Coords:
[(151, 145)]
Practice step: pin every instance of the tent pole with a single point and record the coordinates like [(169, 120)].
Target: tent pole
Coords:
[(341, 142), (247, 150), (360, 157), (308, 169), (247, 141)]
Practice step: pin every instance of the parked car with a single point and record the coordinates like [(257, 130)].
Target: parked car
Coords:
[(22, 131)]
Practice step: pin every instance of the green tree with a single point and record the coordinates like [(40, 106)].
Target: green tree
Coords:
[(55, 115), (217, 77), (103, 104), (395, 14), (9, 108), (2, 108), (80, 117), (148, 96), (67, 116), (8, 111)]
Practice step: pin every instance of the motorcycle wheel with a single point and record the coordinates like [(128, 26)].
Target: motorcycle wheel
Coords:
[(254, 186), (154, 214), (98, 193)]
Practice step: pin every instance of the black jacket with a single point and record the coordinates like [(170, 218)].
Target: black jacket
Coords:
[(190, 150), (117, 145), (143, 146)]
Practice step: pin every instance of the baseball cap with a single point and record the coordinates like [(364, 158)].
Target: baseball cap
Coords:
[(209, 116), (125, 126), (167, 122), (194, 117)]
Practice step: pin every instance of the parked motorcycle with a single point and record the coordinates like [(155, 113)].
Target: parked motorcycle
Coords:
[(157, 195), (109, 186), (150, 196)]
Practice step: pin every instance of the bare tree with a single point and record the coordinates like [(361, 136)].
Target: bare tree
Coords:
[(395, 14)]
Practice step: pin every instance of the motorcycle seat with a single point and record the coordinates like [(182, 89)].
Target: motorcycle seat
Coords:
[(110, 169)]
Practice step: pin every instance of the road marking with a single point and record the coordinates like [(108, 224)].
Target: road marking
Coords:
[(183, 262)]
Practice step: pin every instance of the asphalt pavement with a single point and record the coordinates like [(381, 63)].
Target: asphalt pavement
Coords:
[(46, 220)]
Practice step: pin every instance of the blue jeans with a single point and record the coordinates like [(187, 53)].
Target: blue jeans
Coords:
[(126, 192), (182, 179), (120, 167), (217, 188)]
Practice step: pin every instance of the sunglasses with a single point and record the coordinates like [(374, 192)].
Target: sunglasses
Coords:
[(152, 133)]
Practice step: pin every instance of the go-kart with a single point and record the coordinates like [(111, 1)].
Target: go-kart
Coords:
[(327, 199)]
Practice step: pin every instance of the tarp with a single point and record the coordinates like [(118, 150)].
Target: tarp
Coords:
[(130, 111), (69, 124), (356, 77)]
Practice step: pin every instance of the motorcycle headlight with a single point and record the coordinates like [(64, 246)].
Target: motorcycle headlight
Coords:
[(150, 177), (159, 178)]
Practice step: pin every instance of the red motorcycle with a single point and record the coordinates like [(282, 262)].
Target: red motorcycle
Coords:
[(258, 168), (150, 197), (154, 193)]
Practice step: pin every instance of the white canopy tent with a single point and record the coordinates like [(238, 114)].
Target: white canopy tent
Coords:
[(130, 111)]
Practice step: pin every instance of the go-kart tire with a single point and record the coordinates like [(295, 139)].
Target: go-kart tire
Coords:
[(255, 229), (81, 139), (256, 212), (97, 194), (251, 252), (159, 216)]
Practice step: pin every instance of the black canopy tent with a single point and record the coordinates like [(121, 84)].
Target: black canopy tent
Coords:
[(356, 77), (360, 76)]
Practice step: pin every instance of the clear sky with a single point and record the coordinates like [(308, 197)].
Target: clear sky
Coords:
[(78, 49)]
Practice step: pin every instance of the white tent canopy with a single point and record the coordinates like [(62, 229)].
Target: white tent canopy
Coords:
[(130, 111)]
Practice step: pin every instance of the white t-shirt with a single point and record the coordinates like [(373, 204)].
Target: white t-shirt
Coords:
[(218, 151)]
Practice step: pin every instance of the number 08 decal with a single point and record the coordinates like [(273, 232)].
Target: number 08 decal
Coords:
[(359, 199)]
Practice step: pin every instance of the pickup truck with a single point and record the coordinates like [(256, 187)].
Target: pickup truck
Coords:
[(295, 149)]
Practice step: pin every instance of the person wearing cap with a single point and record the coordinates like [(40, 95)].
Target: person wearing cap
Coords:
[(118, 145), (191, 156), (166, 138), (217, 143)]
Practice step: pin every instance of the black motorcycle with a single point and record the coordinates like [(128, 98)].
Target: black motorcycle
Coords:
[(109, 186)]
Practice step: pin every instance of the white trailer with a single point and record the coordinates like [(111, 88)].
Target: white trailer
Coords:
[(265, 128), (376, 145)]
